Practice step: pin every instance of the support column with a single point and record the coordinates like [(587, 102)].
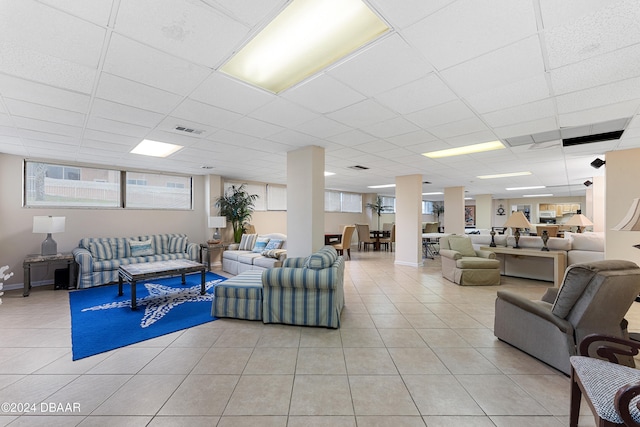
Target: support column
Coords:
[(484, 210), (305, 201), (454, 210), (595, 203), (409, 220)]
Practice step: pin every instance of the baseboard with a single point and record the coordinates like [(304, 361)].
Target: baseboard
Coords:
[(15, 286), (409, 264)]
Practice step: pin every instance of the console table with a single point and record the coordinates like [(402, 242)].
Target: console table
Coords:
[(207, 249), (39, 260), (559, 258)]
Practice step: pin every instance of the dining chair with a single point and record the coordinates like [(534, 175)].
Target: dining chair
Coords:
[(345, 242), (389, 241), (364, 237)]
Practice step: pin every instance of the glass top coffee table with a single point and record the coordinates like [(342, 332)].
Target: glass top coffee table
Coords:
[(133, 273)]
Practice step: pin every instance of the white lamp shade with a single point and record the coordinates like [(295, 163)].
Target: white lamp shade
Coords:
[(631, 222), (48, 224), (517, 220), (217, 222), (579, 220)]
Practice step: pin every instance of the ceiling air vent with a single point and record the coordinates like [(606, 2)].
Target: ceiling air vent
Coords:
[(607, 136), (359, 168), (188, 130)]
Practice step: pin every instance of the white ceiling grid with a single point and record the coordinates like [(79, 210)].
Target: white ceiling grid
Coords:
[(86, 81)]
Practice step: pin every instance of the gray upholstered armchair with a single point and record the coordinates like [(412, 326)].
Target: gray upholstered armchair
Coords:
[(594, 298), (464, 265)]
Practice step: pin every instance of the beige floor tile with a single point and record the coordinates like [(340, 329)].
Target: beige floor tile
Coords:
[(65, 364), (458, 421), (401, 338), (238, 337), (261, 395), (223, 361), (387, 308), (381, 395), (183, 421), (127, 360), (412, 308), (440, 395), (115, 421), (383, 321), (52, 420), (510, 360), (551, 391), (413, 361), (369, 361), (89, 391), (465, 361), (422, 321), (253, 421), (174, 360), (267, 360), (197, 337), (201, 395), (32, 361), (358, 321), (322, 421), (361, 338), (321, 395), (320, 337), (515, 421), (34, 388), (280, 336), (323, 360), (438, 338), (395, 421)]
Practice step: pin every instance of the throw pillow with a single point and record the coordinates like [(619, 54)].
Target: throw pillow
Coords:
[(274, 244), (141, 248), (101, 250), (462, 245), (260, 245), (273, 253), (177, 244), (321, 259), (247, 242)]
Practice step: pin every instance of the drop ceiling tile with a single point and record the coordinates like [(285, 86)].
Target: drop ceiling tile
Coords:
[(117, 89), (40, 112), (527, 128), (390, 128), (96, 11), (521, 113), (283, 113), (511, 95), (322, 127), (253, 127), (601, 147), (417, 95), (558, 13), (412, 138), (362, 114), (351, 138), (170, 123), (205, 114), (134, 61), (191, 30), (389, 63), (323, 94), (120, 128), (629, 143), (6, 124), (605, 30), (472, 138), (50, 127), (223, 91), (599, 114), (516, 62), (461, 127), (467, 28), (410, 12), (251, 13), (124, 113), (36, 93), (599, 96), (108, 147), (44, 136), (111, 138), (441, 114), (294, 139)]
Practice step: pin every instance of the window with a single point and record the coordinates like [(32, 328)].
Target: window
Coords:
[(157, 191), (427, 207), (276, 197), (260, 204), (66, 186), (389, 203), (336, 201)]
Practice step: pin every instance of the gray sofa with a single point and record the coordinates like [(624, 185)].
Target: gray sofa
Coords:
[(235, 261)]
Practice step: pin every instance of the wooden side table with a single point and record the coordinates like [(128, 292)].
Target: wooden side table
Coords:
[(39, 260), (209, 248)]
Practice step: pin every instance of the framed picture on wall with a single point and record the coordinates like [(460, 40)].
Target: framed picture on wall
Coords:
[(469, 216)]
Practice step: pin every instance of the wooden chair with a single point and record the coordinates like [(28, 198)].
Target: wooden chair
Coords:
[(389, 241), (345, 241), (364, 237), (610, 389)]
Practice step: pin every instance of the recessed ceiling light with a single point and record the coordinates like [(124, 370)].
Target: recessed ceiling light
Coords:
[(381, 186), (537, 195), (533, 187), (503, 175), (435, 193), (306, 37), (329, 173), (206, 167), (467, 149), (154, 148)]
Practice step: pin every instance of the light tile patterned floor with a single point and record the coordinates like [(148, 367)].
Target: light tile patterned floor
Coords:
[(413, 350)]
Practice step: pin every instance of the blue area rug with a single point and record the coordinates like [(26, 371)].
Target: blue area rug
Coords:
[(102, 321)]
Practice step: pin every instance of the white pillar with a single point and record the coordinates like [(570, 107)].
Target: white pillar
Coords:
[(409, 220), (454, 210), (305, 201), (484, 210), (596, 206)]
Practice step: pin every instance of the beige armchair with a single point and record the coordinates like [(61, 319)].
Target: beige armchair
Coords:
[(465, 266), (593, 298)]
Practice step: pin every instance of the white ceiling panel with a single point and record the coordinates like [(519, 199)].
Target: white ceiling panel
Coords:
[(362, 114), (135, 61), (411, 138), (50, 127), (522, 113), (96, 11), (558, 13), (410, 12), (124, 113), (36, 93), (599, 96), (417, 95), (191, 30), (253, 127), (461, 127), (599, 114), (41, 112), (97, 123), (205, 114), (284, 113), (602, 31), (527, 128), (223, 91), (510, 95), (390, 128), (251, 13), (117, 89), (441, 114), (323, 94), (322, 127), (468, 28), (389, 62)]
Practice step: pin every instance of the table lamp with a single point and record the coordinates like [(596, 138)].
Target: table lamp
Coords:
[(217, 222), (516, 221), (49, 225), (579, 220)]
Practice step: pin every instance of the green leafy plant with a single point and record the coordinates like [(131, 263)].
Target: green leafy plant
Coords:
[(237, 205), (438, 209), (378, 208)]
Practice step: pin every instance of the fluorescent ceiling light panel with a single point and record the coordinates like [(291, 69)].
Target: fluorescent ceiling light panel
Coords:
[(537, 195), (154, 148), (467, 149), (306, 37), (534, 187), (433, 194), (329, 173), (504, 175), (381, 186)]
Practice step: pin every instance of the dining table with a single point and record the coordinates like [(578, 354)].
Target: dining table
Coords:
[(377, 235), (331, 238)]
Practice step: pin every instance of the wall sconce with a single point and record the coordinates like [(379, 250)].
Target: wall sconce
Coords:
[(49, 225)]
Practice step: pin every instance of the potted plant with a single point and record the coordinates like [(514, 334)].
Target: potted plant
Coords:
[(237, 205), (438, 209), (378, 208)]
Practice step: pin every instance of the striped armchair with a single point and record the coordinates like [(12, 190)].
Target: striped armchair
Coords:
[(305, 291)]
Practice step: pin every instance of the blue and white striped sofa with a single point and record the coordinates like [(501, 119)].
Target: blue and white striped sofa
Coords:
[(305, 291), (98, 258)]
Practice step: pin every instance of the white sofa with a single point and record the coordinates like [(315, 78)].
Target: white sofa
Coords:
[(235, 261), (580, 248)]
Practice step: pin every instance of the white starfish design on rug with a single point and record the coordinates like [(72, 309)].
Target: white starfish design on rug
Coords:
[(161, 300)]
